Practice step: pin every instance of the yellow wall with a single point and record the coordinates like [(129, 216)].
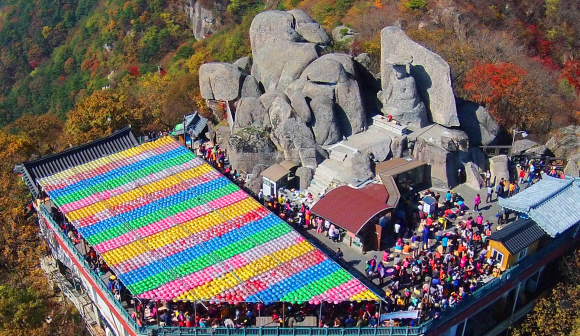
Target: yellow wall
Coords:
[(508, 259)]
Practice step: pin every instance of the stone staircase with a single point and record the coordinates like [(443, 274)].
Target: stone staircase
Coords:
[(322, 180)]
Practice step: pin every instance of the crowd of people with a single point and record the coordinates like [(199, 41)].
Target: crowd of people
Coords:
[(242, 315), (439, 257)]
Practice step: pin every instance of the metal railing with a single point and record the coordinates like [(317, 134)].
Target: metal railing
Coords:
[(81, 260), (446, 315)]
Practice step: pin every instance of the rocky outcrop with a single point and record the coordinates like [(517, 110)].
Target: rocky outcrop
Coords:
[(443, 150), (352, 116), (300, 106), (474, 180), (279, 111), (431, 73), (248, 147), (291, 135), (499, 168), (565, 141), (442, 163), (305, 176), (312, 90), (344, 59), (573, 166), (300, 17), (220, 81), (251, 113), (313, 32), (520, 146), (479, 125), (279, 58), (201, 19), (245, 64), (267, 98), (250, 88), (324, 125), (398, 146), (364, 60), (325, 71), (361, 165), (256, 183)]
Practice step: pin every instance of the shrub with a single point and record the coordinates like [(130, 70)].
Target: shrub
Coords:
[(414, 4)]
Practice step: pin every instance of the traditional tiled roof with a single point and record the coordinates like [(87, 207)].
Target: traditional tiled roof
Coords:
[(518, 235), (173, 228), (352, 208), (52, 164), (553, 203)]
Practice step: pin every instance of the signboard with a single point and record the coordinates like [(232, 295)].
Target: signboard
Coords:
[(407, 314), (356, 241)]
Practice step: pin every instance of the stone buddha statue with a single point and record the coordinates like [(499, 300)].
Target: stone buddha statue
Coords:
[(400, 98)]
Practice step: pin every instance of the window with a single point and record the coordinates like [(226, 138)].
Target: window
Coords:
[(523, 253), (497, 256)]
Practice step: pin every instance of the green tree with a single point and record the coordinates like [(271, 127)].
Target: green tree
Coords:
[(21, 309)]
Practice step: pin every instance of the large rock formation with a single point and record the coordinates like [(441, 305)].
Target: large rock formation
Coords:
[(474, 180), (313, 32), (430, 71), (573, 166), (324, 125), (520, 146), (295, 140), (279, 111), (279, 56), (499, 168), (201, 19), (361, 166), (443, 149), (400, 97), (325, 71), (479, 125), (250, 88), (300, 106), (220, 81), (565, 141), (352, 116), (248, 147), (251, 113), (288, 102), (305, 176)]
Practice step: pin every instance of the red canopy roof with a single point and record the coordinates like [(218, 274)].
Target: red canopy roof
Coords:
[(352, 208)]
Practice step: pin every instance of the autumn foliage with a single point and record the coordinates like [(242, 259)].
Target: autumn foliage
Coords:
[(26, 300), (496, 85), (558, 313)]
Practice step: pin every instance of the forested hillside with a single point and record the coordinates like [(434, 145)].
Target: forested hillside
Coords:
[(75, 70)]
